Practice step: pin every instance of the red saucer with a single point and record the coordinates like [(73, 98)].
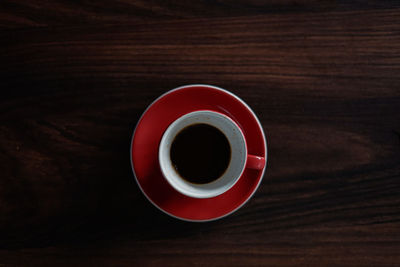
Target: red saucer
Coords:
[(146, 138)]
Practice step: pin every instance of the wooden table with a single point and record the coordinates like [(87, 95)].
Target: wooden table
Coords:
[(323, 77)]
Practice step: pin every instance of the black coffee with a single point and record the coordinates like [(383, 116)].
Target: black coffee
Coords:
[(200, 153)]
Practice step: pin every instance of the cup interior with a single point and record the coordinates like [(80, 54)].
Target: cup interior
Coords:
[(236, 164)]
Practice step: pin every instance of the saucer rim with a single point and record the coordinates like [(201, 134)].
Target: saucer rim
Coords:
[(242, 102)]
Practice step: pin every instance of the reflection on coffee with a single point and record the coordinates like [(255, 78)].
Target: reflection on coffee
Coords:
[(200, 153)]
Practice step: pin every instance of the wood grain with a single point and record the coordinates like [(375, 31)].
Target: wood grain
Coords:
[(28, 13), (323, 77)]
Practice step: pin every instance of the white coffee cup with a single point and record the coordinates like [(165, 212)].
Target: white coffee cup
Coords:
[(238, 162)]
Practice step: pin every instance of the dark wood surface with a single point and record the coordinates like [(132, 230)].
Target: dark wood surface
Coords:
[(323, 77)]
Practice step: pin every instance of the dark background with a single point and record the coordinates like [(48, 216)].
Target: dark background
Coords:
[(323, 77)]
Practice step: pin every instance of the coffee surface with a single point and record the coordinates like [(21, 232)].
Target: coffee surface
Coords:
[(200, 153)]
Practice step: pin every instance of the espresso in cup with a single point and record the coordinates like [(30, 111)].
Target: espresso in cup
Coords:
[(200, 153)]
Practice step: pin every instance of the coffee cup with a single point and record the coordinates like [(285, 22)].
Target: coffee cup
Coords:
[(202, 154)]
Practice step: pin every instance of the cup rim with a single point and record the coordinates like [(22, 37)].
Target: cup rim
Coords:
[(214, 192)]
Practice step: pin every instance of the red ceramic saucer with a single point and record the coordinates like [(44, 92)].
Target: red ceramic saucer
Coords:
[(147, 135)]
